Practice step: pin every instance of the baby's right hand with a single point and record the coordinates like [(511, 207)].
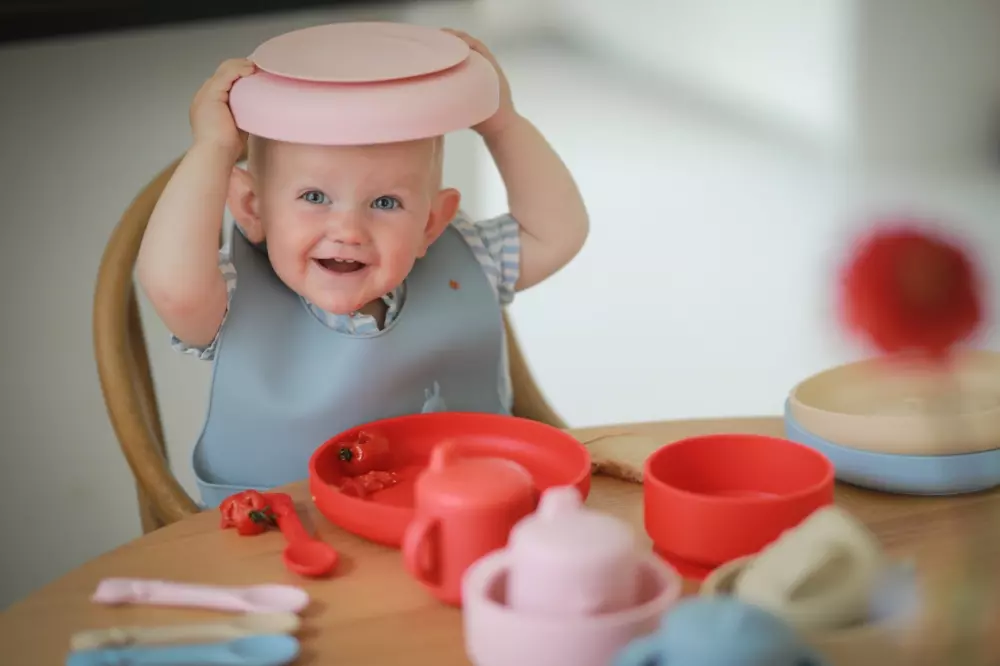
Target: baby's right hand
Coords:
[(211, 119)]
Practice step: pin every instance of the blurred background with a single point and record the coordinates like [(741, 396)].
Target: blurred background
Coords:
[(725, 150)]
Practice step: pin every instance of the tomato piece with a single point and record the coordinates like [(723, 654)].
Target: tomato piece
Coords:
[(368, 452), (371, 482), (249, 512)]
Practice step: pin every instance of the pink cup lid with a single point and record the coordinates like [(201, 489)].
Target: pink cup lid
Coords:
[(364, 83), (562, 530), (456, 481)]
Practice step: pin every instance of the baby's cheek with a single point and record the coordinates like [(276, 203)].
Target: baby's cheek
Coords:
[(402, 262), (398, 249)]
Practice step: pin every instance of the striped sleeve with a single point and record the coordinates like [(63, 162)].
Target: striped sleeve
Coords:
[(207, 353), (496, 243)]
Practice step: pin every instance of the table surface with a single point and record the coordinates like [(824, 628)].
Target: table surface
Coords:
[(371, 612)]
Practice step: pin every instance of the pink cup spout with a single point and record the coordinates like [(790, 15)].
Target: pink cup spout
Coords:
[(566, 558)]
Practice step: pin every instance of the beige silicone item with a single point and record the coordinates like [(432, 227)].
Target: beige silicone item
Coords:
[(904, 407), (237, 627), (818, 575), (869, 644)]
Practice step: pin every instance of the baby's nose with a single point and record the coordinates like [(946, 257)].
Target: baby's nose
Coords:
[(348, 228)]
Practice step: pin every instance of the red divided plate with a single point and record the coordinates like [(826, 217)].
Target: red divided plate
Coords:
[(551, 456)]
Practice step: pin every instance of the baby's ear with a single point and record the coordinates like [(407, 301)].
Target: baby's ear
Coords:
[(443, 211), (244, 204)]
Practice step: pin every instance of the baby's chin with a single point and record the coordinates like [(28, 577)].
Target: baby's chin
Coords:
[(342, 303)]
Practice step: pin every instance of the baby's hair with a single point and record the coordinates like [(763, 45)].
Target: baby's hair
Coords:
[(256, 147)]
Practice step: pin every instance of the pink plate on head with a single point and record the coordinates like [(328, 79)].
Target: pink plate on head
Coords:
[(300, 95), (360, 52)]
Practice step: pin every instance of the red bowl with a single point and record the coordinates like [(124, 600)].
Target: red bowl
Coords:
[(551, 456), (710, 499)]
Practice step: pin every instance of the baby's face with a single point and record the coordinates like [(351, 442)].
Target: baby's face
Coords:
[(344, 225)]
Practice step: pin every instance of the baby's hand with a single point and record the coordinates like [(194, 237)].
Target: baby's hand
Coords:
[(211, 119), (505, 113)]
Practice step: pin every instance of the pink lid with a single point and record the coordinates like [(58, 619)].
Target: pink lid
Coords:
[(562, 529), (453, 480), (364, 83)]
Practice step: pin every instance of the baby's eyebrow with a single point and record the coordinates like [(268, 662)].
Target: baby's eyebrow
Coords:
[(413, 181)]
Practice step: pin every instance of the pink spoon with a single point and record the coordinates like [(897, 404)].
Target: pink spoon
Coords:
[(251, 599), (304, 555)]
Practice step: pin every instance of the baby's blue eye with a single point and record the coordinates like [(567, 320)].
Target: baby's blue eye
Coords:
[(386, 203), (315, 197)]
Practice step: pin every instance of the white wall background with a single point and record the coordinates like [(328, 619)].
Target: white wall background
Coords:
[(784, 60), (703, 291), (928, 84)]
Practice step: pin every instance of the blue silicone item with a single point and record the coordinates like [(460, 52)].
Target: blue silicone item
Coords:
[(719, 631), (263, 650), (904, 475)]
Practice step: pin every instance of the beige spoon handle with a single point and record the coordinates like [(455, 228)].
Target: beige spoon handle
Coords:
[(262, 623)]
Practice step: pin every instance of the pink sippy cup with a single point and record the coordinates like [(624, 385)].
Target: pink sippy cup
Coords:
[(568, 560), (569, 588)]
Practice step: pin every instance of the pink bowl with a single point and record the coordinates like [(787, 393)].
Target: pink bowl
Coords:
[(498, 635)]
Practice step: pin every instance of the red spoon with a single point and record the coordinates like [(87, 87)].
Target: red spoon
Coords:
[(304, 555)]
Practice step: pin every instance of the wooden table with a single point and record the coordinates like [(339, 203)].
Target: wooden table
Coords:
[(371, 612)]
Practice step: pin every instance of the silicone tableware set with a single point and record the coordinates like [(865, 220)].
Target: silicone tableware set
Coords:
[(495, 524)]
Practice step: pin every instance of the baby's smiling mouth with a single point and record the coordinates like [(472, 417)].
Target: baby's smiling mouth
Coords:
[(340, 265)]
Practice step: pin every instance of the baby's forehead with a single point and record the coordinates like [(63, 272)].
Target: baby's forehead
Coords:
[(411, 157)]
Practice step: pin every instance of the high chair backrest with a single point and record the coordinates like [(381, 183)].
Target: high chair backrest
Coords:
[(127, 383)]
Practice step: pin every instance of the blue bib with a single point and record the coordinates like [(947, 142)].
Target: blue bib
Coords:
[(283, 382)]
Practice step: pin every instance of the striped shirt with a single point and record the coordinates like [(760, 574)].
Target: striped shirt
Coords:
[(494, 242)]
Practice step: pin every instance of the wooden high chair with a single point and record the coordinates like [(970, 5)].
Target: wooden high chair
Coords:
[(127, 383)]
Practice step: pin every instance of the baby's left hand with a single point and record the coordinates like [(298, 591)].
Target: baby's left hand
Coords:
[(505, 114)]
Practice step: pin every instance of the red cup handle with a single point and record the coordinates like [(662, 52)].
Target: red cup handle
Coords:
[(415, 544)]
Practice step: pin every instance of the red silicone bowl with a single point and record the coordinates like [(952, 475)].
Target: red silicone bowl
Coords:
[(551, 456), (713, 498)]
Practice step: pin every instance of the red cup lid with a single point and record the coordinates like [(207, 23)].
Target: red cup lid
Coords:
[(455, 480)]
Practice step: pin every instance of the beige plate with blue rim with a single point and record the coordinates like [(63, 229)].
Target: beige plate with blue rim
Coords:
[(905, 408)]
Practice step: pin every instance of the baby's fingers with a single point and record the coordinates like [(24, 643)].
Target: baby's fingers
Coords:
[(230, 71), (234, 67), (221, 82), (474, 44)]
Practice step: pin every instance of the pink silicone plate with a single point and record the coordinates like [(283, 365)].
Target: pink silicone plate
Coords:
[(362, 52), (285, 109)]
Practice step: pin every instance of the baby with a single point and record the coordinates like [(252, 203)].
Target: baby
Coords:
[(353, 289)]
